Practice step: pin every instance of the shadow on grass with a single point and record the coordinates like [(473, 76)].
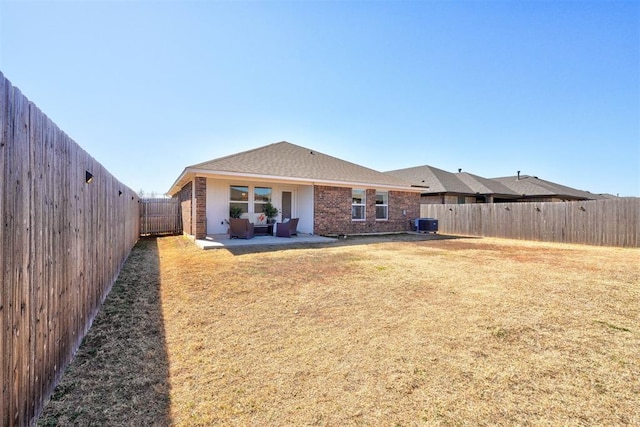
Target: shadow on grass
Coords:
[(120, 374), (354, 240)]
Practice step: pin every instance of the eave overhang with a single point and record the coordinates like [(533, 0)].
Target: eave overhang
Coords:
[(189, 173)]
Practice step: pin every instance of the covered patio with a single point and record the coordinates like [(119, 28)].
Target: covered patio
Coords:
[(221, 241)]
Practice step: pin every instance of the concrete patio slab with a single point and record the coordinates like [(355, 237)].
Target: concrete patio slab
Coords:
[(221, 241)]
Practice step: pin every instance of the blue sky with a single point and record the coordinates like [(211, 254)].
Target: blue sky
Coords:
[(149, 87)]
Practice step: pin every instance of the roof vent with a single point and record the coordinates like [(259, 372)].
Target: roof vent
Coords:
[(518, 175), (459, 170)]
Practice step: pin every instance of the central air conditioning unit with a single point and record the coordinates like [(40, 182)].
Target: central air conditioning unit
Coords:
[(426, 225)]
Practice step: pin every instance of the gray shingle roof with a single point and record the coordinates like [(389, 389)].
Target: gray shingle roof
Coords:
[(436, 180), (534, 186), (283, 159), (482, 185), (433, 180)]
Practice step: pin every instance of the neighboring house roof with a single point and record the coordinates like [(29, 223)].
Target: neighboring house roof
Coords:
[(436, 181), (532, 186), (284, 161), (432, 180), (485, 186)]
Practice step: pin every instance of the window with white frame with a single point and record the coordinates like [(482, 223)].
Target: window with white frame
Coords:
[(261, 196), (239, 197), (382, 205), (358, 204)]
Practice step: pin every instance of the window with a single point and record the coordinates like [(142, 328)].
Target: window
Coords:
[(261, 196), (358, 205), (382, 204), (461, 200), (239, 198)]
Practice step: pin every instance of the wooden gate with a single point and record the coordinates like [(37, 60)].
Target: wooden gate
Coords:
[(160, 216)]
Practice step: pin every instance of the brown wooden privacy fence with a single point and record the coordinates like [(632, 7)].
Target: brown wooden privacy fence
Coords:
[(610, 222), (67, 227), (160, 216)]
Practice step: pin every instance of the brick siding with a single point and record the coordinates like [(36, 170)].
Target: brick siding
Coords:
[(333, 212), (184, 195), (194, 219), (200, 211), (332, 207)]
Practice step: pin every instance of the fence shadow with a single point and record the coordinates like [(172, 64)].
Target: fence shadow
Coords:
[(120, 374)]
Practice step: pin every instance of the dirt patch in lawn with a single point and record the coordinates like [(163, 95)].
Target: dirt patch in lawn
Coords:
[(376, 332)]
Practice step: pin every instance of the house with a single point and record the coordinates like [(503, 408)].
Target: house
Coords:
[(330, 196), (440, 187)]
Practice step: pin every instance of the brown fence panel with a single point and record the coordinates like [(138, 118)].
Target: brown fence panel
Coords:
[(610, 222), (160, 216), (63, 241)]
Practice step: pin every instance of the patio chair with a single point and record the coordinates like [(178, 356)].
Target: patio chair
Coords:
[(287, 229), (240, 228)]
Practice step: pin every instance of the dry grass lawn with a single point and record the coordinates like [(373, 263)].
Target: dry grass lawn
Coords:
[(373, 331)]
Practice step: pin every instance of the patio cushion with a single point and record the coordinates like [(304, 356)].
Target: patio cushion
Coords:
[(260, 219)]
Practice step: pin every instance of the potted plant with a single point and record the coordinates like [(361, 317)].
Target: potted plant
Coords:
[(270, 212), (235, 212)]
